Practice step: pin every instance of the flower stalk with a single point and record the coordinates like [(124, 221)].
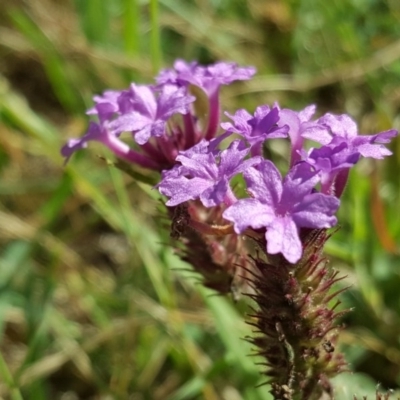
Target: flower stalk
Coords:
[(296, 321)]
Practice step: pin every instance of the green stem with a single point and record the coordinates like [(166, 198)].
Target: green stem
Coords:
[(8, 379), (155, 46), (131, 18)]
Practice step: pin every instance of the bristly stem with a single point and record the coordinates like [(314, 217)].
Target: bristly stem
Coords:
[(217, 255), (297, 327)]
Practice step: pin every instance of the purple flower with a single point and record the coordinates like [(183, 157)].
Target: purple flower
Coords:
[(106, 105), (256, 129), (328, 161), (224, 73), (142, 111), (282, 207), (341, 128), (181, 74), (209, 78), (299, 124), (102, 133), (205, 175), (203, 147), (145, 114)]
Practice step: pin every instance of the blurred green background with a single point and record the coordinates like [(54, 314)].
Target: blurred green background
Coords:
[(93, 302)]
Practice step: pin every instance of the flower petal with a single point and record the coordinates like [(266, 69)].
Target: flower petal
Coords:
[(249, 213), (282, 237)]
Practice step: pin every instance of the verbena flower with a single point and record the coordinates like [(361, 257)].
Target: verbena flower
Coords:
[(106, 104), (341, 128), (103, 134), (258, 128), (145, 112), (209, 79), (205, 176), (328, 161), (282, 207), (142, 113), (299, 124)]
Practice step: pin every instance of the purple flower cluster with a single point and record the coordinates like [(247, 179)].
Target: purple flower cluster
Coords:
[(147, 114), (195, 168)]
